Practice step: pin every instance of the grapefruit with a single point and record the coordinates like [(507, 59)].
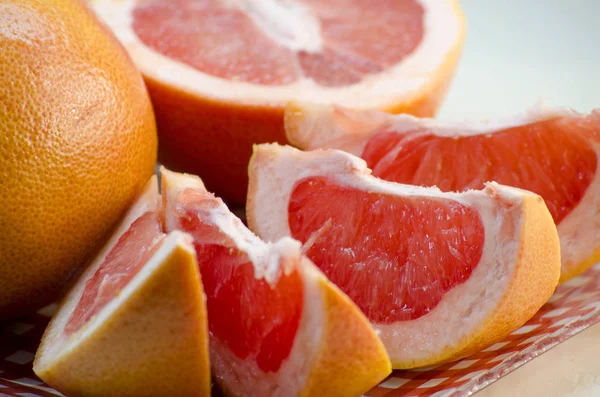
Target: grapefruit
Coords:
[(440, 275), (77, 144), (277, 326), (220, 72), (552, 152), (134, 323)]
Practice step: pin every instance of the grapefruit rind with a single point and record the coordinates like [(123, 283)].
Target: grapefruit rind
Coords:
[(345, 350), (151, 340), (511, 273), (335, 348), (311, 126)]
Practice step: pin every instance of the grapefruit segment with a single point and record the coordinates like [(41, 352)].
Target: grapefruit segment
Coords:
[(440, 275), (220, 72), (281, 335), (135, 321), (551, 152)]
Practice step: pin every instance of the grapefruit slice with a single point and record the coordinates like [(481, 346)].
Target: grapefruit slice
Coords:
[(220, 72), (277, 326), (134, 324), (440, 275), (552, 152)]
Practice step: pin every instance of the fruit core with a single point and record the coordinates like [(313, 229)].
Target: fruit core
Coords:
[(277, 42), (395, 257), (133, 249), (553, 158), (252, 317)]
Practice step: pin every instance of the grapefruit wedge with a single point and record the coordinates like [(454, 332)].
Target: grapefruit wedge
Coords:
[(220, 72), (277, 326), (134, 324), (552, 152), (440, 275)]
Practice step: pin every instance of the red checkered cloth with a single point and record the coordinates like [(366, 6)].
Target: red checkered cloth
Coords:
[(574, 306)]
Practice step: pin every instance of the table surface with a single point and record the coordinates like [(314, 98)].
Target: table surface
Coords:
[(516, 53)]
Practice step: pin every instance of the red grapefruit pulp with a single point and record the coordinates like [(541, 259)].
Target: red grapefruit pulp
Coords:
[(121, 265), (413, 249), (253, 317), (262, 42), (553, 158)]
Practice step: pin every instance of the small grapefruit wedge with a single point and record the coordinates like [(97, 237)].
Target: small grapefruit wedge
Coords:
[(277, 326), (134, 324), (551, 152), (220, 72), (440, 275)]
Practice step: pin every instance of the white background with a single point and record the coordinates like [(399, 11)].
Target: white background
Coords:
[(517, 52)]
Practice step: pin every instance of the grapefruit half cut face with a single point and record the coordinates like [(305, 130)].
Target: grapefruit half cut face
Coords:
[(551, 152), (135, 321), (220, 72), (272, 51), (440, 275), (277, 326)]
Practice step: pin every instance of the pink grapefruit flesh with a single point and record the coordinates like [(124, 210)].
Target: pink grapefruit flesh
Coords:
[(261, 320), (553, 158), (413, 249), (358, 38), (121, 265)]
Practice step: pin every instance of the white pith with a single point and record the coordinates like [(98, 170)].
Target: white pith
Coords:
[(402, 82), (289, 23), (242, 376), (318, 126), (275, 172), (56, 344)]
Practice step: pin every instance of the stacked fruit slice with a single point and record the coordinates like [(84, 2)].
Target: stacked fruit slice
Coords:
[(135, 323), (440, 275), (278, 326), (552, 152)]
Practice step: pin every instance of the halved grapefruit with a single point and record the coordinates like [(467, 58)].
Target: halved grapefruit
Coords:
[(552, 152), (277, 326), (134, 324), (220, 72), (440, 275)]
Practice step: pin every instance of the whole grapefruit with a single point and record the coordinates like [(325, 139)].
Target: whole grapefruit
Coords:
[(77, 143)]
